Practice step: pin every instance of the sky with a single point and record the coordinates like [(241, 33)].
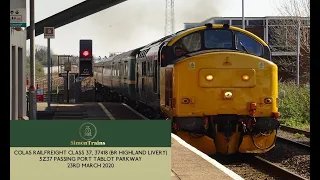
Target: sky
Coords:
[(134, 23)]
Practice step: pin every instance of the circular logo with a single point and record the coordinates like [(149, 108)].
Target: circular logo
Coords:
[(88, 131)]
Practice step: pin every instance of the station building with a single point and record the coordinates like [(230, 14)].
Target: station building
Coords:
[(18, 36), (18, 105), (280, 32)]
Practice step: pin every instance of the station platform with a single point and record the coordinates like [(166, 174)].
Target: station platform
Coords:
[(187, 163), (90, 111)]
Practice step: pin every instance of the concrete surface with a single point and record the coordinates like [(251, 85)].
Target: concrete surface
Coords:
[(189, 166)]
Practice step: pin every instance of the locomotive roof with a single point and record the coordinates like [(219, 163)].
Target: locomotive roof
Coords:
[(218, 26), (176, 36)]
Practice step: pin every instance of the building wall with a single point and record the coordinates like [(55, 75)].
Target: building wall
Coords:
[(17, 74)]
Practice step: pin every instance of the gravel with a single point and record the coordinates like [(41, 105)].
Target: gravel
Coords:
[(292, 158), (240, 165), (294, 137), (250, 173)]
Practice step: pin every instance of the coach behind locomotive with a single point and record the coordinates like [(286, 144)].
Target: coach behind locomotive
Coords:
[(213, 80)]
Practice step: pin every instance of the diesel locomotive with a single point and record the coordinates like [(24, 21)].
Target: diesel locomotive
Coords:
[(216, 83)]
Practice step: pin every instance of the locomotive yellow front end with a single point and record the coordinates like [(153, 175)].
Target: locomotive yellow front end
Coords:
[(224, 101), (230, 97)]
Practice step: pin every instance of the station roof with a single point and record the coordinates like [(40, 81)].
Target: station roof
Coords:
[(72, 14)]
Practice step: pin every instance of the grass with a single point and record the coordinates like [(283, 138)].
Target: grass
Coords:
[(299, 135), (295, 107)]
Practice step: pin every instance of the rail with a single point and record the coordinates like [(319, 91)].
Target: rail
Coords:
[(274, 169), (257, 163), (295, 130), (266, 165), (294, 143)]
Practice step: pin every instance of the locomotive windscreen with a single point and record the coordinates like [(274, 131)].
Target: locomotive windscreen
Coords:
[(217, 39)]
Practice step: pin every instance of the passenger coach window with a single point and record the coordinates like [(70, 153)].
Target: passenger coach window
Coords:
[(126, 69), (250, 44), (218, 39), (144, 69)]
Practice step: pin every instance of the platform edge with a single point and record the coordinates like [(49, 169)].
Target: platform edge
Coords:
[(227, 171)]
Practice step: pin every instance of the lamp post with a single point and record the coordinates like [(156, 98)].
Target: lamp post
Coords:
[(298, 53), (243, 24)]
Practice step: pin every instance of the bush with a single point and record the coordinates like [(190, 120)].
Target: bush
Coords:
[(295, 107), (39, 73)]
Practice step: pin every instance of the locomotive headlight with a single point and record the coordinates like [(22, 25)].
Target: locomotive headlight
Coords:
[(268, 100), (209, 77), (228, 94), (245, 77)]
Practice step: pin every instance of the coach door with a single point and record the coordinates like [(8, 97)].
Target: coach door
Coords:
[(155, 76), (137, 77), (168, 89)]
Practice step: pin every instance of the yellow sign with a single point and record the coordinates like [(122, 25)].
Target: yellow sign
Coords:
[(227, 62), (261, 65), (192, 65)]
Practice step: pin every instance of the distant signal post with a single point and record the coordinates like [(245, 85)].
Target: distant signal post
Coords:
[(85, 58)]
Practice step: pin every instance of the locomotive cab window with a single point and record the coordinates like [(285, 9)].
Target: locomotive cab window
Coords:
[(218, 39), (247, 44), (187, 44)]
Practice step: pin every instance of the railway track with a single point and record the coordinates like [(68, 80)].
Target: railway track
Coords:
[(261, 164), (294, 143), (295, 130), (257, 165), (276, 170)]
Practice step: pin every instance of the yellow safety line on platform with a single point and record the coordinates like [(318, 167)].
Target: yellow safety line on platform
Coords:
[(105, 110)]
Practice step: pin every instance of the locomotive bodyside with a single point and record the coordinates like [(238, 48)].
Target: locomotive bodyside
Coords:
[(147, 77)]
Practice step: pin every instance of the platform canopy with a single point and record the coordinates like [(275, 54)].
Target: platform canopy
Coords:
[(79, 11)]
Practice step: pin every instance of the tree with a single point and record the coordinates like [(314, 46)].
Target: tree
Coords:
[(41, 54), (283, 37), (40, 61), (39, 72)]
